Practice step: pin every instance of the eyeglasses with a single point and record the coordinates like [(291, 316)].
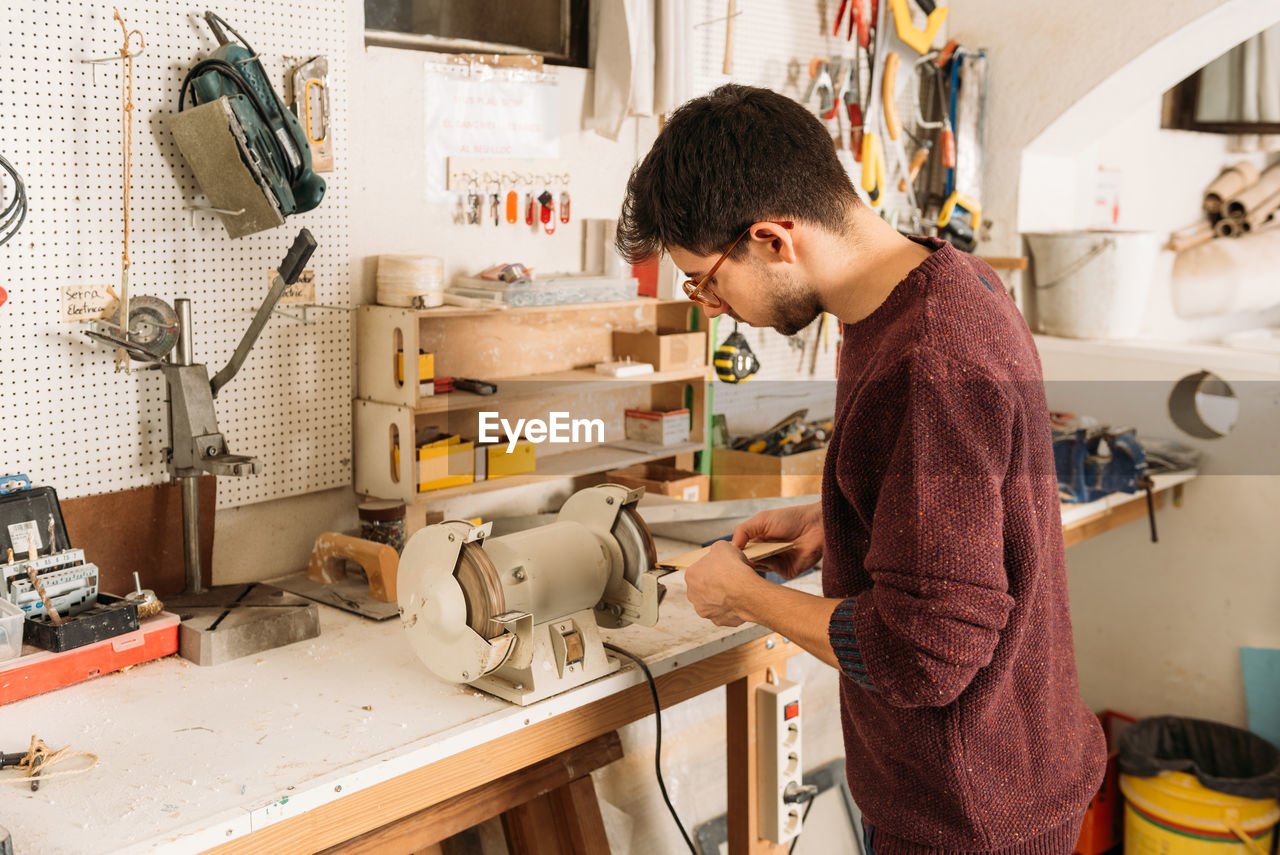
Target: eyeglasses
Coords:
[(698, 290)]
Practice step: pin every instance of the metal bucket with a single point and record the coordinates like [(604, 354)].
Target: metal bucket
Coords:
[(1092, 284)]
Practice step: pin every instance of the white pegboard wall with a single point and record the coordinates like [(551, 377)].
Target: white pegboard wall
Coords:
[(71, 421)]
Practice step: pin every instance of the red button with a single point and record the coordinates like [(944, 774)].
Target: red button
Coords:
[(790, 711)]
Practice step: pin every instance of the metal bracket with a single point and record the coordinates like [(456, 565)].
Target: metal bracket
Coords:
[(305, 306)]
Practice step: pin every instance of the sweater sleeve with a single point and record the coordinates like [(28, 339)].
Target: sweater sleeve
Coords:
[(939, 597), (845, 644)]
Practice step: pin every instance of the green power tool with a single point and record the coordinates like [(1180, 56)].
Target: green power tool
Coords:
[(273, 138)]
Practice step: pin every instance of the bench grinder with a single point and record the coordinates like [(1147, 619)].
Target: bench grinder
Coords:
[(519, 615)]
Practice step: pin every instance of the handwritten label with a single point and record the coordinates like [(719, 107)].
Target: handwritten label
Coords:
[(302, 291), (86, 303)]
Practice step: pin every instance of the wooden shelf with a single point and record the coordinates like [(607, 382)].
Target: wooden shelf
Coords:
[(545, 385), (569, 464)]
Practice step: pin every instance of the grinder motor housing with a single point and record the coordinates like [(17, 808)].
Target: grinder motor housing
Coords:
[(519, 615)]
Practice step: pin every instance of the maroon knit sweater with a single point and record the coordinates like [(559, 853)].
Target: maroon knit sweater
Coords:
[(964, 729)]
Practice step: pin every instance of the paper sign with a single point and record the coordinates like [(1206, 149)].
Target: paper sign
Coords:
[(302, 291), (467, 117), (87, 303)]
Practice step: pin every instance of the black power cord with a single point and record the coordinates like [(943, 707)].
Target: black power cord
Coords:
[(13, 215), (657, 751), (803, 818)]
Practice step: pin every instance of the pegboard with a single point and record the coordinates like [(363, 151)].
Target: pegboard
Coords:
[(71, 421), (769, 36)]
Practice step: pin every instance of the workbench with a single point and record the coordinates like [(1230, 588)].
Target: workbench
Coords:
[(304, 747)]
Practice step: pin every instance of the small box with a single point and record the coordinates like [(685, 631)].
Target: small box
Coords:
[(664, 351), (10, 630), (521, 460), (426, 372), (743, 475), (664, 481), (670, 427), (108, 617), (448, 462)]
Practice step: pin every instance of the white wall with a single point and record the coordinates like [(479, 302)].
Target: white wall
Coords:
[(1078, 69), (1158, 627)]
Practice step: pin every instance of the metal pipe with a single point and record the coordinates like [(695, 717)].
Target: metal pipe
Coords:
[(184, 352), (191, 532)]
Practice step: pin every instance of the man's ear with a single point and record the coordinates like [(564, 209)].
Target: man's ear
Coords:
[(776, 240)]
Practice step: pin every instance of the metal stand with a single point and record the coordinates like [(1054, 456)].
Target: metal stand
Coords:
[(227, 621)]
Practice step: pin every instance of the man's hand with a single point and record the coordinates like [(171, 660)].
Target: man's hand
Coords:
[(721, 584), (800, 524)]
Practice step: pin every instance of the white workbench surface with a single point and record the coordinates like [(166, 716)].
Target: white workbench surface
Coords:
[(192, 757)]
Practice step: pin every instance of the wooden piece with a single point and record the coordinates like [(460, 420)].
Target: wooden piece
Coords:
[(382, 803), (452, 816), (531, 828), (1105, 520), (140, 530), (379, 561), (578, 818), (1004, 262), (728, 37), (740, 731), (755, 551)]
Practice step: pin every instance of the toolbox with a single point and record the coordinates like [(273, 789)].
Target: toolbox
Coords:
[(43, 670)]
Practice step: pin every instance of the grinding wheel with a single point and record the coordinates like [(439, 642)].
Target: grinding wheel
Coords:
[(481, 590), (153, 325), (638, 553)]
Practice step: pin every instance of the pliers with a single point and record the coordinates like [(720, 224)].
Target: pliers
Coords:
[(857, 19), (820, 80)]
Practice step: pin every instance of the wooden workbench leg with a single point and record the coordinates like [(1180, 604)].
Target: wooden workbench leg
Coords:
[(740, 732), (531, 828), (578, 817), (565, 821)]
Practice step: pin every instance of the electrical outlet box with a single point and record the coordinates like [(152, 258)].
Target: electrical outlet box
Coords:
[(781, 771)]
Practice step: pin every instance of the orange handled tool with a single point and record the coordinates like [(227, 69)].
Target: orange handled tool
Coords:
[(892, 125)]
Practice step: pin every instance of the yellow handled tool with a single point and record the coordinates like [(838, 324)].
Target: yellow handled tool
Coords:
[(893, 127), (873, 168), (920, 40), (970, 205)]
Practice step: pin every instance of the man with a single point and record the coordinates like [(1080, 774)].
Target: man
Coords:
[(946, 606)]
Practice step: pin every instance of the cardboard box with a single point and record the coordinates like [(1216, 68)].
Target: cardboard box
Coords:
[(664, 351), (447, 462), (743, 475), (664, 481), (669, 427), (493, 461)]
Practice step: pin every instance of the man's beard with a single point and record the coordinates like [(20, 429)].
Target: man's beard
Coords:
[(792, 306)]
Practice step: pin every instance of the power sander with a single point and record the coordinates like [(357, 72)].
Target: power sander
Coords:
[(236, 114)]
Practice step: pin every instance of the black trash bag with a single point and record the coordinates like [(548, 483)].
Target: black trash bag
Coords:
[(1222, 758)]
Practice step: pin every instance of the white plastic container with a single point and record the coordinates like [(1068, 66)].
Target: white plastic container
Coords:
[(11, 618), (1092, 284)]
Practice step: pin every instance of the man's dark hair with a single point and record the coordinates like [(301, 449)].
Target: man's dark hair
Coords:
[(725, 161)]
